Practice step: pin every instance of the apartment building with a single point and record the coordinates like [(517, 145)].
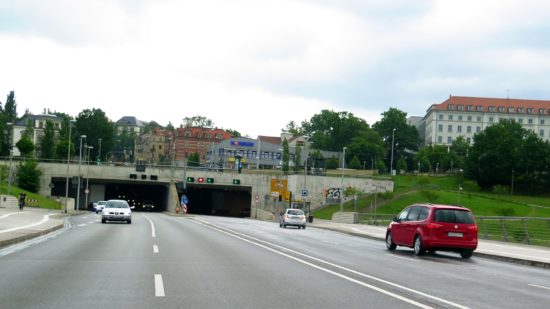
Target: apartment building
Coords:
[(38, 122), (466, 116)]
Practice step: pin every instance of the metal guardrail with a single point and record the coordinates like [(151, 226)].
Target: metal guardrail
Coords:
[(526, 230)]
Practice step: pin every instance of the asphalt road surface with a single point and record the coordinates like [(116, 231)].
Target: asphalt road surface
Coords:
[(161, 261)]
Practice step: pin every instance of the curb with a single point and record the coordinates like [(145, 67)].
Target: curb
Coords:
[(22, 238)]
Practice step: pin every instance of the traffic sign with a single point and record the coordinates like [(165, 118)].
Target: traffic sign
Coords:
[(304, 192)]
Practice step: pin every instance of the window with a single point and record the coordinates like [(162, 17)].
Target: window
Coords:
[(520, 120), (403, 215), (479, 108), (478, 129), (541, 132), (468, 140), (542, 121), (450, 107), (413, 214), (449, 128), (521, 110), (491, 108), (440, 128), (529, 111), (449, 140), (490, 119), (459, 117), (469, 129), (440, 116), (219, 136), (440, 139), (469, 118), (479, 118), (470, 108), (459, 129), (460, 107), (511, 110), (530, 121), (424, 212), (187, 134), (501, 109), (541, 111), (450, 117)]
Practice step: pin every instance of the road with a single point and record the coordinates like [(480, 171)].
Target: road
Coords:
[(162, 261)]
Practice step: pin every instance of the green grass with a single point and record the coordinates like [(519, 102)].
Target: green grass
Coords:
[(41, 202)]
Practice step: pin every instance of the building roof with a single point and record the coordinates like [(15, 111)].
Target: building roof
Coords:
[(23, 121), (270, 139), (130, 121), (485, 103)]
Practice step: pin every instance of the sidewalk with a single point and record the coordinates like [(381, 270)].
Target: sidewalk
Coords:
[(502, 251), (17, 226)]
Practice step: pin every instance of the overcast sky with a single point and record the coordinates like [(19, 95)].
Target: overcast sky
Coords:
[(255, 65)]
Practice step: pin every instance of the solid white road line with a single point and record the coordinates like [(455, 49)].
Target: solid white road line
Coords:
[(44, 220), (91, 222), (81, 225), (403, 258), (11, 214), (159, 286), (516, 255), (539, 286), (155, 249), (153, 233), (372, 287)]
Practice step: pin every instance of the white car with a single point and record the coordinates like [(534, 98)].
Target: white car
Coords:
[(99, 206), (117, 210)]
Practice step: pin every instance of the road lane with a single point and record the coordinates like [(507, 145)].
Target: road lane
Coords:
[(206, 262)]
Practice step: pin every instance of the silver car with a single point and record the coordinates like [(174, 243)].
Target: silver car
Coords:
[(117, 210), (293, 217)]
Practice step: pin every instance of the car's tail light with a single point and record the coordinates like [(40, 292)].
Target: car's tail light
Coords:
[(434, 225), (472, 228)]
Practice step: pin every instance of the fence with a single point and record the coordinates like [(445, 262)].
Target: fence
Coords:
[(526, 230)]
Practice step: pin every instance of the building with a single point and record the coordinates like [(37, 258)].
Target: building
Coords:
[(131, 124), (152, 147), (189, 140), (38, 124), (466, 116)]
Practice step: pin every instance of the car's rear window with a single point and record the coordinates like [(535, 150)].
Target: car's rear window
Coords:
[(454, 216), (295, 212)]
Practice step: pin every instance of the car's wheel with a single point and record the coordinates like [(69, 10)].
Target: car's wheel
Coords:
[(284, 226), (418, 247), (103, 220), (304, 227), (389, 242), (466, 253), (129, 221)]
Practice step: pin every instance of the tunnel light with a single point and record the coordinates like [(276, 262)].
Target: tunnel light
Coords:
[(201, 179), (190, 179), (236, 181), (209, 180)]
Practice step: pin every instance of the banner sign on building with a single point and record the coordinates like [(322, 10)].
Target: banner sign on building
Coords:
[(241, 143)]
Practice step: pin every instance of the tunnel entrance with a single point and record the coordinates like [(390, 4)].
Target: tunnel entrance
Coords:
[(227, 201), (143, 196)]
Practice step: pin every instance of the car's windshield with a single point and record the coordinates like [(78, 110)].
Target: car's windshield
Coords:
[(113, 204)]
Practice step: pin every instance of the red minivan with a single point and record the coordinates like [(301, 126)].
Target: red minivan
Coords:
[(429, 227)]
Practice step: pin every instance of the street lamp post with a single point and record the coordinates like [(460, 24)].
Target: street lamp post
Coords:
[(391, 159), (99, 152), (88, 174), (342, 187), (68, 162), (79, 163), (11, 158)]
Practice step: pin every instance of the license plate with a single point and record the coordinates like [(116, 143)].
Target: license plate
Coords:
[(453, 234)]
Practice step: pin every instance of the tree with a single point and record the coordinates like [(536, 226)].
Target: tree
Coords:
[(355, 163), (28, 176), (332, 130), (64, 143), (193, 159), (25, 146), (47, 143), (292, 128), (197, 121), (29, 130), (234, 133), (367, 146), (401, 165), (404, 137), (332, 163), (459, 150), (286, 156), (10, 108), (95, 125)]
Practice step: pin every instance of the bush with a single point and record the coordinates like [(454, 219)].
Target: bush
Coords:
[(386, 195), (500, 190), (505, 211), (429, 195), (28, 176), (470, 186)]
